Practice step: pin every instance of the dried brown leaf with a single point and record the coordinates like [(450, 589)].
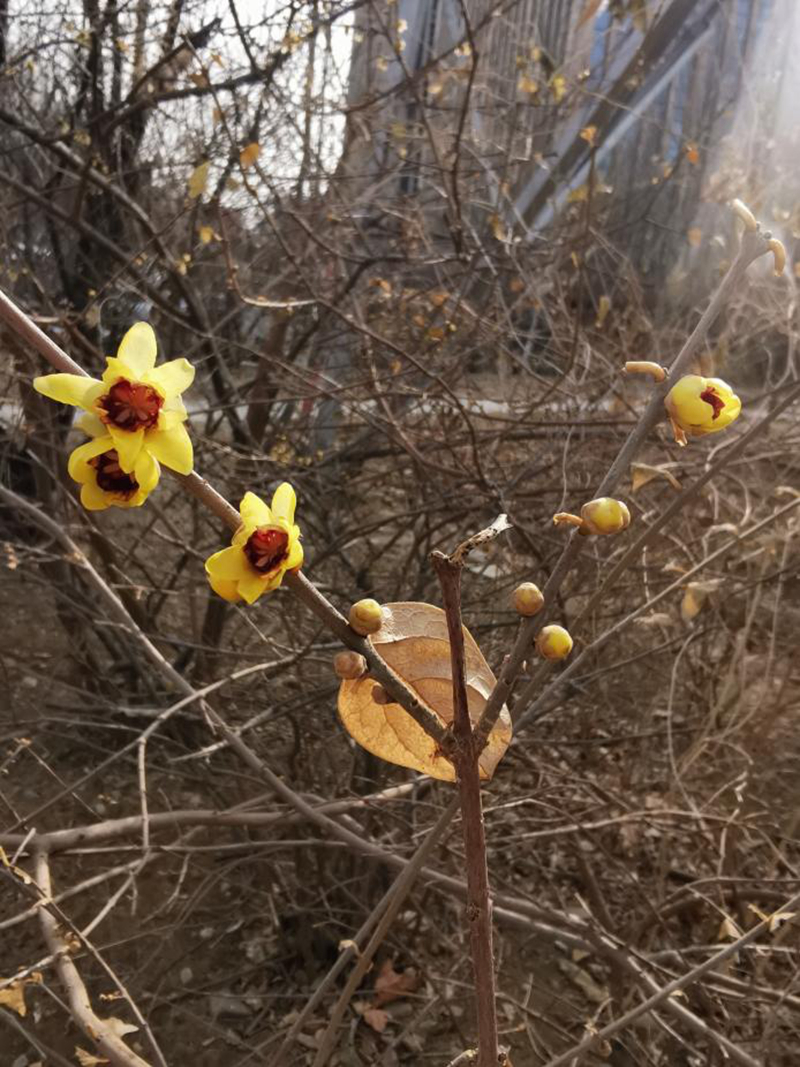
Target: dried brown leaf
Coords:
[(413, 641), (391, 984)]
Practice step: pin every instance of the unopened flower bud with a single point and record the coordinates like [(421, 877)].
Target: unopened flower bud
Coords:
[(645, 366), (379, 694), (746, 215), (366, 617), (698, 406), (605, 515), (528, 598), (553, 642), (778, 254), (349, 665)]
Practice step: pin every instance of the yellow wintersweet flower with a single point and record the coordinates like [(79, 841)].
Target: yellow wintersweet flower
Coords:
[(137, 404), (104, 484), (698, 406), (264, 548)]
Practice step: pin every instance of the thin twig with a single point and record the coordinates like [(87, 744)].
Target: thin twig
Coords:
[(479, 902)]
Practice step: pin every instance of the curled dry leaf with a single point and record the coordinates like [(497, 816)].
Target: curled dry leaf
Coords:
[(642, 473), (88, 1059), (413, 642), (13, 996), (391, 984), (376, 1018)]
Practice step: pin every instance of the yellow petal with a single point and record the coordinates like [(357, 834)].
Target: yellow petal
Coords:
[(171, 447), (172, 378), (172, 413), (92, 425), (254, 511), (227, 590), (146, 472), (78, 466), (72, 389), (283, 503), (252, 586), (93, 498), (229, 564), (128, 444), (295, 558), (138, 349), (116, 369)]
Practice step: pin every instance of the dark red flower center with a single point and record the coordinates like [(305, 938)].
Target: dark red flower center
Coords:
[(111, 477), (130, 406), (714, 399), (267, 548)]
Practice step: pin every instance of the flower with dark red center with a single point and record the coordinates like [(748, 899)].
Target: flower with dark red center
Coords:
[(104, 484), (136, 407), (697, 406), (710, 396), (131, 406), (264, 548), (267, 548), (111, 478)]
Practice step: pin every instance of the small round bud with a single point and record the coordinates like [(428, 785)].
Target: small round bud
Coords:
[(528, 599), (366, 617), (605, 516), (553, 642), (379, 694), (698, 406), (349, 665)]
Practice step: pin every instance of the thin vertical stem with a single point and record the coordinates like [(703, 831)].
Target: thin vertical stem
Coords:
[(465, 758)]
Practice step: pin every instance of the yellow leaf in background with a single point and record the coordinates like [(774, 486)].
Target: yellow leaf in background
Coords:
[(436, 333), (88, 1059), (398, 130), (577, 196), (690, 605), (206, 234), (217, 115), (694, 236), (382, 63), (692, 153), (413, 641), (642, 473), (437, 299), (249, 155), (382, 284), (498, 229), (528, 85), (516, 285), (576, 260), (13, 996), (198, 180), (200, 80), (603, 308), (558, 87), (589, 133)]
